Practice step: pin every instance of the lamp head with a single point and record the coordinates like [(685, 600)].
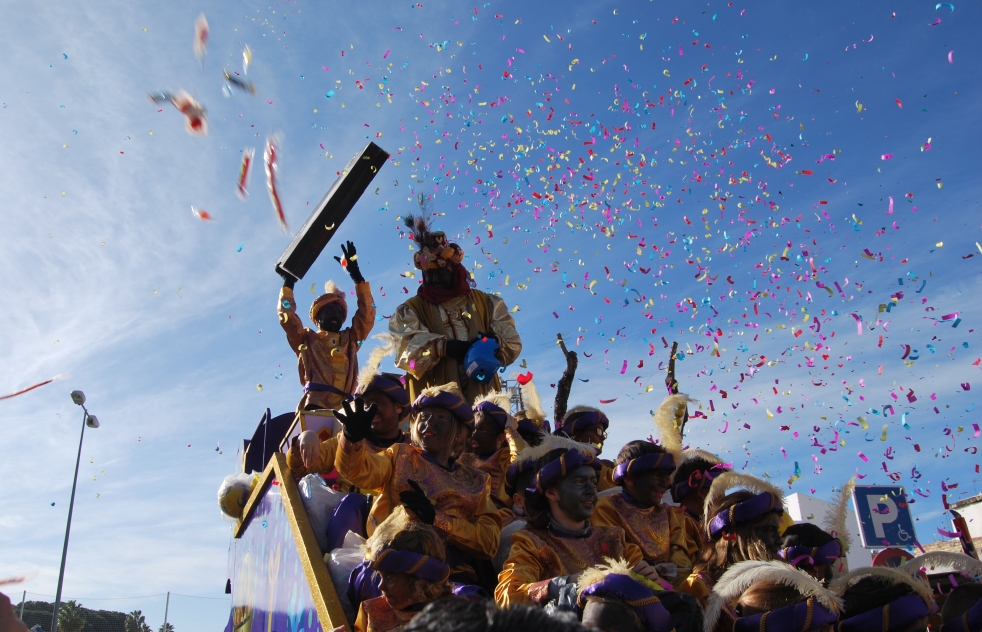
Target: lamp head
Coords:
[(78, 397), (92, 421)]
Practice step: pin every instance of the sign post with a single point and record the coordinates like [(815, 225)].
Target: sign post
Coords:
[(884, 517)]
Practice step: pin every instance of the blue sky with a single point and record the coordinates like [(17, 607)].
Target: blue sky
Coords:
[(169, 326)]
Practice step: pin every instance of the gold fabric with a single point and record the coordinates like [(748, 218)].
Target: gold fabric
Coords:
[(539, 555), (695, 537), (325, 464), (698, 586), (324, 357), (658, 531), (465, 515), (422, 328), (496, 466), (376, 615), (606, 478)]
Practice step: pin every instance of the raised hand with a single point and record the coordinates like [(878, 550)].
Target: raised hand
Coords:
[(350, 262), (357, 420), (416, 501)]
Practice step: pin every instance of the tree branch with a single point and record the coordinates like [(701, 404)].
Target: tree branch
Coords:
[(565, 382)]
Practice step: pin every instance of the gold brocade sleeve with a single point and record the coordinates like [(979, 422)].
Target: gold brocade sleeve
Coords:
[(364, 318), (515, 445), (325, 459), (503, 325), (286, 309), (678, 539), (417, 348), (693, 536), (520, 572), (479, 536), (632, 552), (363, 467), (606, 478), (361, 621)]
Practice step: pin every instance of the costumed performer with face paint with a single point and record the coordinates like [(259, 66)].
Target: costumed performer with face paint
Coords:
[(327, 359), (309, 453), (423, 476), (436, 328), (743, 525), (819, 552), (588, 425), (558, 543)]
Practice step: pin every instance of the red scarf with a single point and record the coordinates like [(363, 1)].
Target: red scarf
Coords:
[(438, 294)]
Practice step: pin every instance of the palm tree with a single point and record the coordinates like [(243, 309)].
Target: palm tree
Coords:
[(71, 617), (136, 622), (166, 627)]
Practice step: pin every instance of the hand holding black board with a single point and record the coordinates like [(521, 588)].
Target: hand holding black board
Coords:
[(310, 241)]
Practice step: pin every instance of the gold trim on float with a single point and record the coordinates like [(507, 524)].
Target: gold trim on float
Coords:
[(329, 610)]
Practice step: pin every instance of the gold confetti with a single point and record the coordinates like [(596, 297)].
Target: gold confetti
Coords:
[(259, 387)]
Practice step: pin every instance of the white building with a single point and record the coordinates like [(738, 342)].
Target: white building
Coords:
[(971, 510)]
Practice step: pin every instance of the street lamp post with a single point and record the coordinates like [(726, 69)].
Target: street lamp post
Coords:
[(92, 422)]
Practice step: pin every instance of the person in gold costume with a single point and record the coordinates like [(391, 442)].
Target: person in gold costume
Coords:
[(644, 470), (588, 425), (410, 558), (327, 359), (437, 327), (740, 526), (423, 476), (559, 542)]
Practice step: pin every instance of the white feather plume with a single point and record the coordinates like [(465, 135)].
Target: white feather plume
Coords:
[(834, 521), (330, 287), (884, 575), (732, 480), (532, 403), (370, 370), (696, 453), (553, 442), (498, 398), (665, 419), (960, 562), (742, 575)]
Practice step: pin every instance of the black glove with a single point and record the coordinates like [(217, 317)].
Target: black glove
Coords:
[(288, 279), (457, 349), (357, 420), (417, 502), (351, 255)]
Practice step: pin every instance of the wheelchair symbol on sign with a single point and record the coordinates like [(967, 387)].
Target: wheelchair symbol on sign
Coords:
[(903, 535)]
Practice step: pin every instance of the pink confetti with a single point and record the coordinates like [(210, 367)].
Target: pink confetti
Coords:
[(863, 457), (936, 22), (386, 55), (977, 431), (886, 156), (950, 60), (624, 367), (890, 212), (725, 428)]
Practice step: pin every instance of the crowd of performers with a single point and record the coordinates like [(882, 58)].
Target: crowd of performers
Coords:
[(475, 514)]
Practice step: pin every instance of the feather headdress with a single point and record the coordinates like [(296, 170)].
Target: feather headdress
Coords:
[(834, 521), (554, 442), (696, 453), (959, 562), (742, 575), (532, 403), (666, 419), (389, 528), (620, 566), (332, 294), (367, 372), (498, 398), (884, 575), (435, 251), (732, 480)]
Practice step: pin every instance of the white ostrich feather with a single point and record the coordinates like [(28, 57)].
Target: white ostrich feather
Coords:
[(665, 420), (834, 521), (742, 575), (732, 480), (370, 370)]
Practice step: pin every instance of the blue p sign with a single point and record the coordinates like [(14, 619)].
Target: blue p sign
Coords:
[(884, 517)]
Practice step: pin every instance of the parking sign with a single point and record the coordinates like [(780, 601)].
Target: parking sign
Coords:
[(884, 517)]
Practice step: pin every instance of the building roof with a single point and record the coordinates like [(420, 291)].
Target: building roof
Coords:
[(967, 501)]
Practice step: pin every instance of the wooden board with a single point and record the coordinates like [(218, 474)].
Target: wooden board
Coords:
[(323, 223)]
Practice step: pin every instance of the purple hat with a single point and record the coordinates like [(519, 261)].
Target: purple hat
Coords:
[(815, 555), (636, 595), (799, 617), (697, 480), (516, 468), (390, 385), (645, 463), (744, 512), (895, 615), (971, 621), (554, 471), (447, 396), (419, 566), (580, 418), (493, 411)]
